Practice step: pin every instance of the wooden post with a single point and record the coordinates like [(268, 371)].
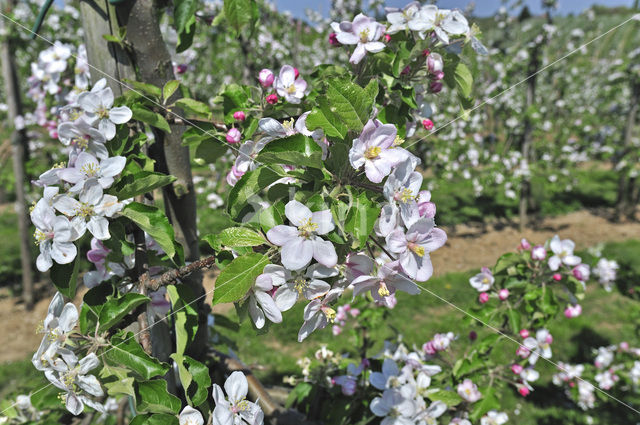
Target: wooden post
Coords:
[(18, 144), (624, 203)]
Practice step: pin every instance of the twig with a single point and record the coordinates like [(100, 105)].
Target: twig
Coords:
[(382, 247), (142, 270), (172, 276)]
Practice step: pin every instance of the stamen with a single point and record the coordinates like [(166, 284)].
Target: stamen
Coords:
[(91, 169), (372, 152), (307, 228)]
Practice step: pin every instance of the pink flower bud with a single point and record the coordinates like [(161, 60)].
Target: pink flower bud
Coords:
[(581, 272), (355, 312), (429, 348), (438, 75), (516, 368), (337, 330), (296, 72), (538, 253), (239, 116), (473, 335), (434, 63), (523, 352), (524, 333), (333, 39), (572, 384), (234, 135), (425, 52), (557, 277), (181, 69), (406, 70), (427, 124), (524, 244), (266, 77), (272, 99), (573, 311), (524, 391), (387, 38), (624, 346), (483, 297), (503, 294), (436, 87), (549, 339)]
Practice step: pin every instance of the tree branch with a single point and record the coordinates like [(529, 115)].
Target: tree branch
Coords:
[(172, 276)]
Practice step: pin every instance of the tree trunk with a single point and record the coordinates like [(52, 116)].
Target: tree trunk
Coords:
[(19, 144), (153, 64), (624, 204)]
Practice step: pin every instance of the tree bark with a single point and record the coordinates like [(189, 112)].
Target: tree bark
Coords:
[(19, 146), (150, 60), (624, 202)]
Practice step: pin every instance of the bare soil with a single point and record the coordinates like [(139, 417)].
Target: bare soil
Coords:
[(467, 248)]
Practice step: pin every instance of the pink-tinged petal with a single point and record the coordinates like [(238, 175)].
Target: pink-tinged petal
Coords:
[(287, 75), (99, 227), (297, 213), (396, 241), (409, 264), (285, 297), (256, 313), (315, 322), (403, 284), (362, 284), (376, 171), (435, 240), (297, 253), (281, 234), (324, 220), (113, 166), (554, 263), (356, 154), (301, 87), (120, 115), (324, 252), (269, 307), (383, 136), (358, 54), (263, 283)]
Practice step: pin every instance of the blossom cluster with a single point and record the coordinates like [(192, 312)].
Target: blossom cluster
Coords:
[(74, 200)]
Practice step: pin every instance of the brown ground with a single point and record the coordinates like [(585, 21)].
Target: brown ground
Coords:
[(466, 249)]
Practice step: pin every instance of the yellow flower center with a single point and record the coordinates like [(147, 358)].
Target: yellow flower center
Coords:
[(300, 284), (91, 169), (291, 89), (102, 112), (416, 249), (405, 196), (240, 406), (84, 210), (41, 236), (383, 291), (288, 124), (364, 35), (307, 228), (485, 280), (329, 313), (372, 152), (80, 142)]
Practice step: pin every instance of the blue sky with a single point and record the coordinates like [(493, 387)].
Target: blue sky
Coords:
[(483, 7)]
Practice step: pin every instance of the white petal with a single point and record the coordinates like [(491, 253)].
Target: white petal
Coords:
[(236, 387), (297, 213), (120, 114)]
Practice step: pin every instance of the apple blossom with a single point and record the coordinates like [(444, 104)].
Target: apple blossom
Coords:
[(414, 247), (301, 242), (91, 211), (292, 286), (581, 272), (538, 253), (563, 253), (233, 135), (364, 32), (374, 149), (395, 406), (261, 303), (349, 382), (289, 86), (88, 166), (503, 294), (98, 107), (516, 368), (606, 272), (54, 236), (573, 311), (483, 280), (60, 320), (403, 19), (239, 116), (539, 346), (235, 409), (493, 417), (318, 313), (469, 391), (190, 416), (447, 22), (82, 137)]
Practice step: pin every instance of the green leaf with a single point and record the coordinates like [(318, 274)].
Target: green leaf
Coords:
[(448, 397), (362, 217), (193, 107), (132, 185), (514, 320), (169, 89), (488, 402), (238, 277), (152, 118), (294, 150), (65, 277), (126, 352), (153, 397), (343, 107), (184, 19), (115, 309), (145, 88), (249, 185), (117, 380), (240, 236), (185, 316), (240, 13), (464, 79), (155, 419), (298, 394), (154, 222), (194, 377)]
